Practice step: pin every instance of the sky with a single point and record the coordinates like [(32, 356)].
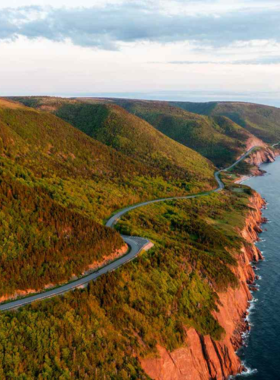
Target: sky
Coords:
[(173, 49)]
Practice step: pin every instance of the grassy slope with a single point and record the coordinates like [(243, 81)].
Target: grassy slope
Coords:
[(56, 183), (217, 138), (262, 121)]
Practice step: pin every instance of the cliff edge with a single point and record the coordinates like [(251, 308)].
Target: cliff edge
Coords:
[(202, 358)]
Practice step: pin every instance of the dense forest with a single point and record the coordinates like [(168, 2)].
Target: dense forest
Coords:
[(57, 187), (260, 120), (134, 137), (103, 330), (217, 130), (44, 243), (218, 138)]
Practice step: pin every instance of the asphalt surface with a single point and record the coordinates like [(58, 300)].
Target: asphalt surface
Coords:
[(136, 245), (114, 219)]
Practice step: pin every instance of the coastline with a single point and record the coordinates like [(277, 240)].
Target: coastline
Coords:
[(251, 303), (202, 358), (260, 349)]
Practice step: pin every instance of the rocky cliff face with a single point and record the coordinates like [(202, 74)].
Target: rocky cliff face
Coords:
[(264, 155), (202, 358)]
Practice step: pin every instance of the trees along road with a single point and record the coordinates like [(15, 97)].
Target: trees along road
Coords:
[(136, 245)]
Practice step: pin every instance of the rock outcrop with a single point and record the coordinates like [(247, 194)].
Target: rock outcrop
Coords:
[(261, 156), (202, 358)]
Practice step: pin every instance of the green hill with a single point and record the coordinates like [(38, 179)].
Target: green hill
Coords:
[(217, 138), (134, 137), (262, 121), (57, 185), (127, 134), (103, 331)]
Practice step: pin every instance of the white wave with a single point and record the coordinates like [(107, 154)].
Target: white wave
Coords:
[(245, 338), (252, 301), (249, 311), (247, 372)]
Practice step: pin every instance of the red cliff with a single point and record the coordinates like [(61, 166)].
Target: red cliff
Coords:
[(202, 358), (260, 156)]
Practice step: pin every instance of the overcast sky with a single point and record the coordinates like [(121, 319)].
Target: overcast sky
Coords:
[(147, 46)]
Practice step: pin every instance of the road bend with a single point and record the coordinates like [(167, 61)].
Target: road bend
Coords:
[(135, 244)]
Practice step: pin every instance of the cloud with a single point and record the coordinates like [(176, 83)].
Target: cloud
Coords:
[(268, 60), (109, 26)]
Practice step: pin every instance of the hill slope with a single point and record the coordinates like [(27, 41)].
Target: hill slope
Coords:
[(217, 138), (262, 121), (56, 183), (126, 133), (46, 234), (178, 287), (134, 137)]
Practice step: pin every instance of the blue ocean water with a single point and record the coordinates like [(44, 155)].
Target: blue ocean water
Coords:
[(261, 354)]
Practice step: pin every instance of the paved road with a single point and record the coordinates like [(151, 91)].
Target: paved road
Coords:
[(136, 244), (113, 220)]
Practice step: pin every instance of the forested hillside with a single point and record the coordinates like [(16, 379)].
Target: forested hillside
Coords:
[(135, 138), (57, 183), (128, 134), (262, 121), (104, 330), (42, 242), (217, 138)]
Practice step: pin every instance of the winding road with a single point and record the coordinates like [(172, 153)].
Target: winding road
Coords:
[(136, 245)]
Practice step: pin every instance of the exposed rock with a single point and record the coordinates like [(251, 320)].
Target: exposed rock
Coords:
[(264, 155), (202, 358), (254, 141)]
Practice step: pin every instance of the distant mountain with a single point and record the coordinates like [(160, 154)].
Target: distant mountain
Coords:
[(262, 121)]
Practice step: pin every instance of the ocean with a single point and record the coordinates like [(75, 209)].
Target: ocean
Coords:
[(261, 352)]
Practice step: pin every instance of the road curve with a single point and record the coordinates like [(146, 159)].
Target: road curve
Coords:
[(136, 245), (113, 220)]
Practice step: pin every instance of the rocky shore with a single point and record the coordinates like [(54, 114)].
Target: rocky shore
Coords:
[(263, 155), (202, 358)]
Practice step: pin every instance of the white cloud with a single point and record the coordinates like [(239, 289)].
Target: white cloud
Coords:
[(231, 45)]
